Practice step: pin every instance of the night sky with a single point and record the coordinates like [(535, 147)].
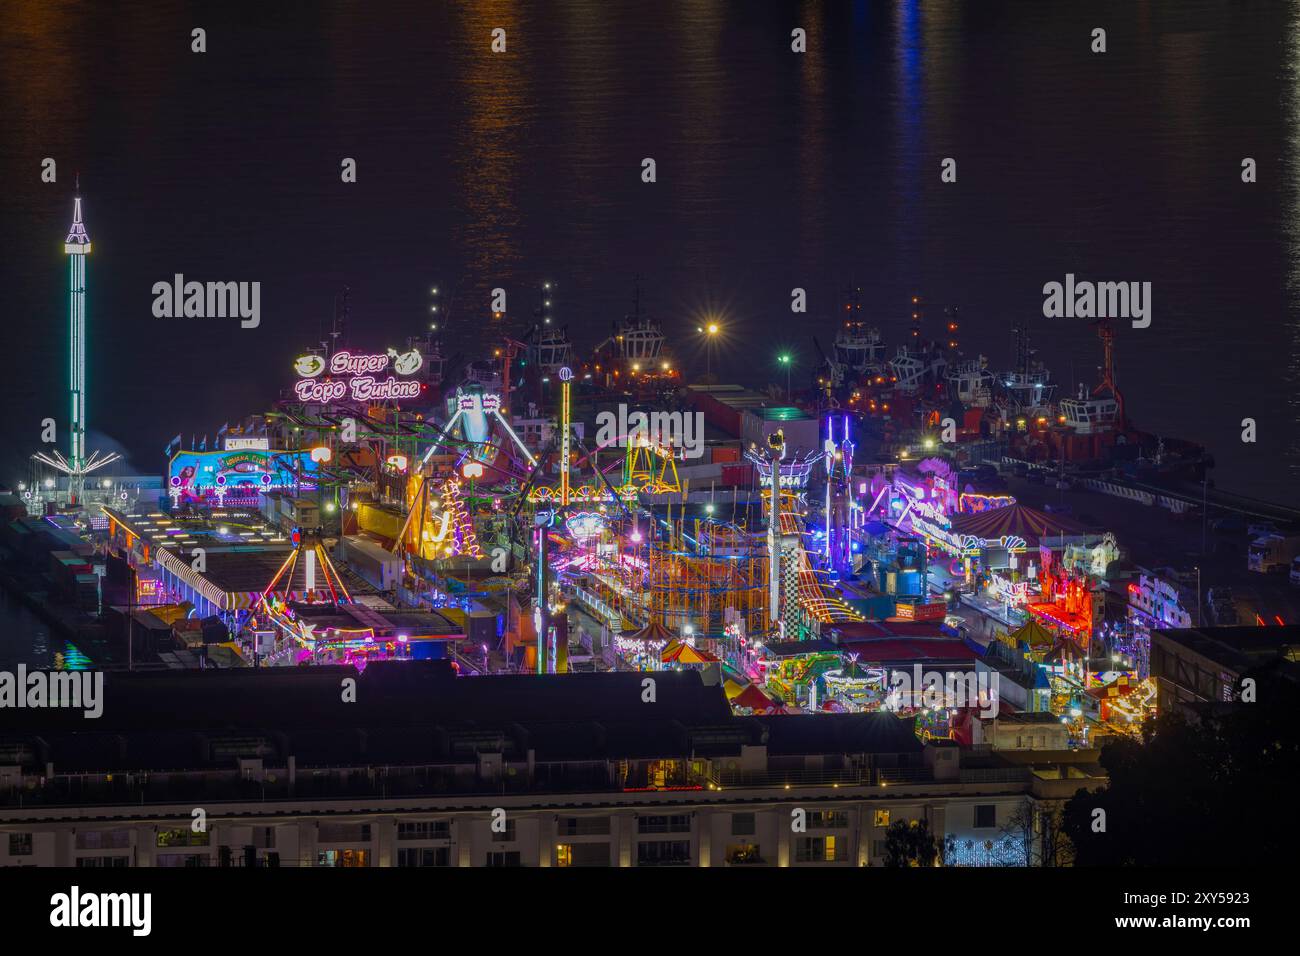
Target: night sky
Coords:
[(775, 170)]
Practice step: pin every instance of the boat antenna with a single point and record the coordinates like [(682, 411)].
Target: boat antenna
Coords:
[(340, 319)]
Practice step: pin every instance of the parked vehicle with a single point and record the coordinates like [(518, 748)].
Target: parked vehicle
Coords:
[(1224, 613), (1272, 552), (957, 625)]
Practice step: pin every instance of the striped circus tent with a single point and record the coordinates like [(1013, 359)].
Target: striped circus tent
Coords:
[(1000, 527), (1033, 635), (754, 699), (652, 633), (680, 653)]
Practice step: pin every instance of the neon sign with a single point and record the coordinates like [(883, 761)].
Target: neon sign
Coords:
[(360, 383), (199, 475), (248, 444)]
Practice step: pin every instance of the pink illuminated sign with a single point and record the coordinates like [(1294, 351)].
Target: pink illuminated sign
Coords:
[(360, 383)]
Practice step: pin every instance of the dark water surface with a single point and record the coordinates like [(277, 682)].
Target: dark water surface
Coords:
[(774, 171)]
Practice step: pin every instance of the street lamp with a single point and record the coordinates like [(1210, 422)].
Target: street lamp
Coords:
[(784, 359), (710, 332), (1198, 595)]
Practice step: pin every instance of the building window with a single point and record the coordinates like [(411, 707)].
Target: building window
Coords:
[(181, 860), (828, 820), (20, 844), (583, 826), (344, 833), (664, 853), (744, 854), (678, 823), (424, 856), (815, 850), (505, 836), (582, 854), (343, 858), (881, 818), (666, 773), (986, 816), (424, 830), (181, 837), (743, 824), (503, 858), (103, 839), (92, 862)]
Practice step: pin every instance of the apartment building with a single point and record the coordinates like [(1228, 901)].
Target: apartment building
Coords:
[(427, 770), (1193, 666)]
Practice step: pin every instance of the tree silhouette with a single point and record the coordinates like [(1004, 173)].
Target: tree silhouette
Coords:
[(910, 843), (1181, 795)]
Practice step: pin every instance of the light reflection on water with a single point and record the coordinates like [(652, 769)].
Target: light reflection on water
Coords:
[(25, 639), (1291, 77), (775, 171)]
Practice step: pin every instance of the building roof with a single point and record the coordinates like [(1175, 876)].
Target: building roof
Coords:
[(780, 413), (903, 651), (818, 645), (888, 630), (1235, 647), (1029, 717), (414, 713), (842, 733), (902, 642), (1016, 520)]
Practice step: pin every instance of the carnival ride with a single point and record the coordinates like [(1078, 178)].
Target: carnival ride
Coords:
[(854, 687), (794, 679), (651, 466), (475, 413), (305, 581), (797, 599), (701, 576), (438, 526)]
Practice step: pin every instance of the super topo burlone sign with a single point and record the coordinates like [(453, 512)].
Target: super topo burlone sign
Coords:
[(358, 376)]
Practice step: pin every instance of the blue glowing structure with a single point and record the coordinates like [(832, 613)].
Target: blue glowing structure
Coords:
[(77, 465)]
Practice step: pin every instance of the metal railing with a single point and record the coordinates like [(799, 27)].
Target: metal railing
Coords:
[(853, 777)]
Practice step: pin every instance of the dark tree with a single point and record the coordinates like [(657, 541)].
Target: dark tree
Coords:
[(910, 843), (1191, 790)]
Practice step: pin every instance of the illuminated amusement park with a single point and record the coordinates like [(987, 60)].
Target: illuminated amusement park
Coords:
[(913, 537), (535, 512)]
